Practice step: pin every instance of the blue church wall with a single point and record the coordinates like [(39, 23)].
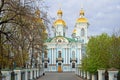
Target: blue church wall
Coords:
[(66, 45)]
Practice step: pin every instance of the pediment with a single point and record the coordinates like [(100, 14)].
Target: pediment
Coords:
[(59, 39)]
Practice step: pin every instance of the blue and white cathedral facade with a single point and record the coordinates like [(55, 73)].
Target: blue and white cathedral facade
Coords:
[(64, 54)]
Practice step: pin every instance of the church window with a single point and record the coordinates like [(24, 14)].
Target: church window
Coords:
[(59, 54), (73, 65), (45, 65), (82, 32), (82, 40), (59, 33), (59, 40), (45, 54)]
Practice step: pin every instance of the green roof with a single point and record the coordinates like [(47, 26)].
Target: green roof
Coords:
[(69, 39)]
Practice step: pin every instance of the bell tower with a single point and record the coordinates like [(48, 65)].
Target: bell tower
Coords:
[(59, 26), (80, 31)]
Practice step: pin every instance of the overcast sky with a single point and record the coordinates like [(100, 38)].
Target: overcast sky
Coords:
[(103, 15)]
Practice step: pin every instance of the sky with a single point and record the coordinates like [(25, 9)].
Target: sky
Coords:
[(103, 15)]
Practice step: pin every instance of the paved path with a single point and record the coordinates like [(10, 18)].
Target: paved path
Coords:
[(60, 76)]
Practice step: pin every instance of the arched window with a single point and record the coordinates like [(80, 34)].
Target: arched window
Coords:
[(82, 32), (45, 54), (59, 54), (73, 54), (45, 65)]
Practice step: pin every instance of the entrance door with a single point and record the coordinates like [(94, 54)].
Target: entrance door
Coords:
[(59, 67)]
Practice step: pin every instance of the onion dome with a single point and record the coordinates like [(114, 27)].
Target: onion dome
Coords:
[(45, 31), (82, 19), (59, 22), (39, 20), (37, 12), (59, 12), (82, 12), (74, 31)]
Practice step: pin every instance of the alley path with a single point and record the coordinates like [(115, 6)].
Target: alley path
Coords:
[(60, 76)]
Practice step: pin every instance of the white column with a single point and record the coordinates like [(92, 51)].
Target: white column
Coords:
[(81, 73), (101, 74), (31, 74), (26, 74), (80, 56), (68, 56), (84, 74), (93, 77), (113, 75), (18, 74), (88, 76), (65, 56), (35, 73), (40, 72), (78, 72), (52, 56)]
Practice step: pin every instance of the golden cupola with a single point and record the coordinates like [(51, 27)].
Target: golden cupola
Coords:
[(59, 21), (45, 31), (37, 12), (74, 31), (59, 12), (82, 19)]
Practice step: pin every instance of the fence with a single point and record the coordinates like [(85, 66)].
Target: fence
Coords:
[(21, 74)]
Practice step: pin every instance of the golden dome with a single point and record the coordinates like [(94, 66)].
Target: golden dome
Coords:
[(74, 31), (82, 12), (38, 20), (37, 12), (59, 11), (59, 21), (83, 20), (45, 31)]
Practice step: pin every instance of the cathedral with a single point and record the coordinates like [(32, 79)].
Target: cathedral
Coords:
[(62, 53)]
